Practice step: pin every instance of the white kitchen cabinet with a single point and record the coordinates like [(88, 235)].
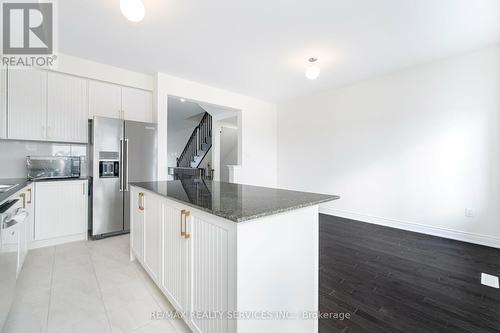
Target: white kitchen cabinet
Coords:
[(61, 209), (25, 228), (105, 100), (175, 281), (152, 235), (137, 201), (3, 104), (30, 207), (137, 104), (67, 109), (211, 272), (27, 104), (194, 254)]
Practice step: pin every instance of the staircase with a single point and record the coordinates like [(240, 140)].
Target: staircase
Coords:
[(198, 145)]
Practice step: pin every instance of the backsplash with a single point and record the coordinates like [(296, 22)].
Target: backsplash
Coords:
[(13, 154)]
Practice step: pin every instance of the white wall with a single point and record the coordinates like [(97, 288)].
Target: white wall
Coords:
[(412, 149), (258, 126), (228, 150), (102, 72), (176, 142)]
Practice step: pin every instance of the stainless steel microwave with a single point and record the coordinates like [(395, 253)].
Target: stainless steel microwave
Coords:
[(44, 167)]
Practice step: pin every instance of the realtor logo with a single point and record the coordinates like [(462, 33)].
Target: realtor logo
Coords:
[(28, 29)]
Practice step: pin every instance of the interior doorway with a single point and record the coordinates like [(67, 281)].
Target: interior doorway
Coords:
[(203, 140)]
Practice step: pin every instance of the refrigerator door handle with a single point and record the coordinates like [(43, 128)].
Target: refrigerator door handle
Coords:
[(125, 181), (121, 165)]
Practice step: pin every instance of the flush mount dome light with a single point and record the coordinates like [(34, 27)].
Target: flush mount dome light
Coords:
[(313, 70), (133, 10)]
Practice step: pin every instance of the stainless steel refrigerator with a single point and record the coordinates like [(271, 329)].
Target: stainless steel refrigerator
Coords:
[(122, 151)]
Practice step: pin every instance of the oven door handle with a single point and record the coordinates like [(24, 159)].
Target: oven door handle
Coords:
[(9, 223)]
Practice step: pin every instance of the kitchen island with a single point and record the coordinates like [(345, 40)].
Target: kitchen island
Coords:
[(230, 257)]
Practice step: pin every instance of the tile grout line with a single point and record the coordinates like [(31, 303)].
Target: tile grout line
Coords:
[(50, 293), (143, 278), (99, 287)]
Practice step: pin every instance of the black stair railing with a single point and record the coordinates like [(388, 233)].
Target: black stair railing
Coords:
[(199, 142)]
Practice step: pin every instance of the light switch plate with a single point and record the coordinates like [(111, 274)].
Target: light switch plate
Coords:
[(489, 280)]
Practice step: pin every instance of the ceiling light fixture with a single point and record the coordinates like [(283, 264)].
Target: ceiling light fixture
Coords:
[(133, 10), (313, 70)]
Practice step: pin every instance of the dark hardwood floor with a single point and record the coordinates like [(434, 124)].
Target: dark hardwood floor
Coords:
[(391, 280)]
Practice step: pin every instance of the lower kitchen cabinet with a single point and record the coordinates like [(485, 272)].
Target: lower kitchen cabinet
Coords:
[(211, 272), (152, 236), (25, 229), (137, 200), (175, 280), (30, 207), (195, 254), (61, 209)]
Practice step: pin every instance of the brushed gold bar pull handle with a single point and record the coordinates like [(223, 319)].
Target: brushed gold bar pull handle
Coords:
[(141, 201), (186, 233), (23, 195), (183, 233), (29, 191)]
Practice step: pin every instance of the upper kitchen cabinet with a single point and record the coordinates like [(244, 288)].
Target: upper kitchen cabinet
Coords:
[(105, 100), (27, 104), (137, 104), (3, 104), (114, 101), (67, 109)]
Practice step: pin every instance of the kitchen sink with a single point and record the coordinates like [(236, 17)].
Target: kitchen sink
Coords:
[(5, 188)]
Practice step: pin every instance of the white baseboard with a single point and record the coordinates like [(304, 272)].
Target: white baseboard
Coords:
[(415, 227), (57, 241)]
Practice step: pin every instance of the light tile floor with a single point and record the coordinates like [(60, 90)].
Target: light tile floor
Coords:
[(87, 287)]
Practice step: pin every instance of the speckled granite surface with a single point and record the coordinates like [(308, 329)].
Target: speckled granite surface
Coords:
[(22, 182), (234, 202)]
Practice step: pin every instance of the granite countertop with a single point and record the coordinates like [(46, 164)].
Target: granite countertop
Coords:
[(23, 182), (235, 202)]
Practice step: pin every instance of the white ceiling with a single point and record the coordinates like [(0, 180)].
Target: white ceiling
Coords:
[(260, 47)]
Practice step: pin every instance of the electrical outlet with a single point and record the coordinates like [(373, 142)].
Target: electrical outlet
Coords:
[(469, 212), (489, 280)]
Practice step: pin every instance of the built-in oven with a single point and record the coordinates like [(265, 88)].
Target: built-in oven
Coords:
[(9, 247)]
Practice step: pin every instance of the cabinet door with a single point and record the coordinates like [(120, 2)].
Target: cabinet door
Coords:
[(175, 261), (104, 100), (61, 209), (27, 104), (30, 207), (67, 109), (152, 235), (212, 272), (3, 104), (23, 246), (137, 223), (137, 104)]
